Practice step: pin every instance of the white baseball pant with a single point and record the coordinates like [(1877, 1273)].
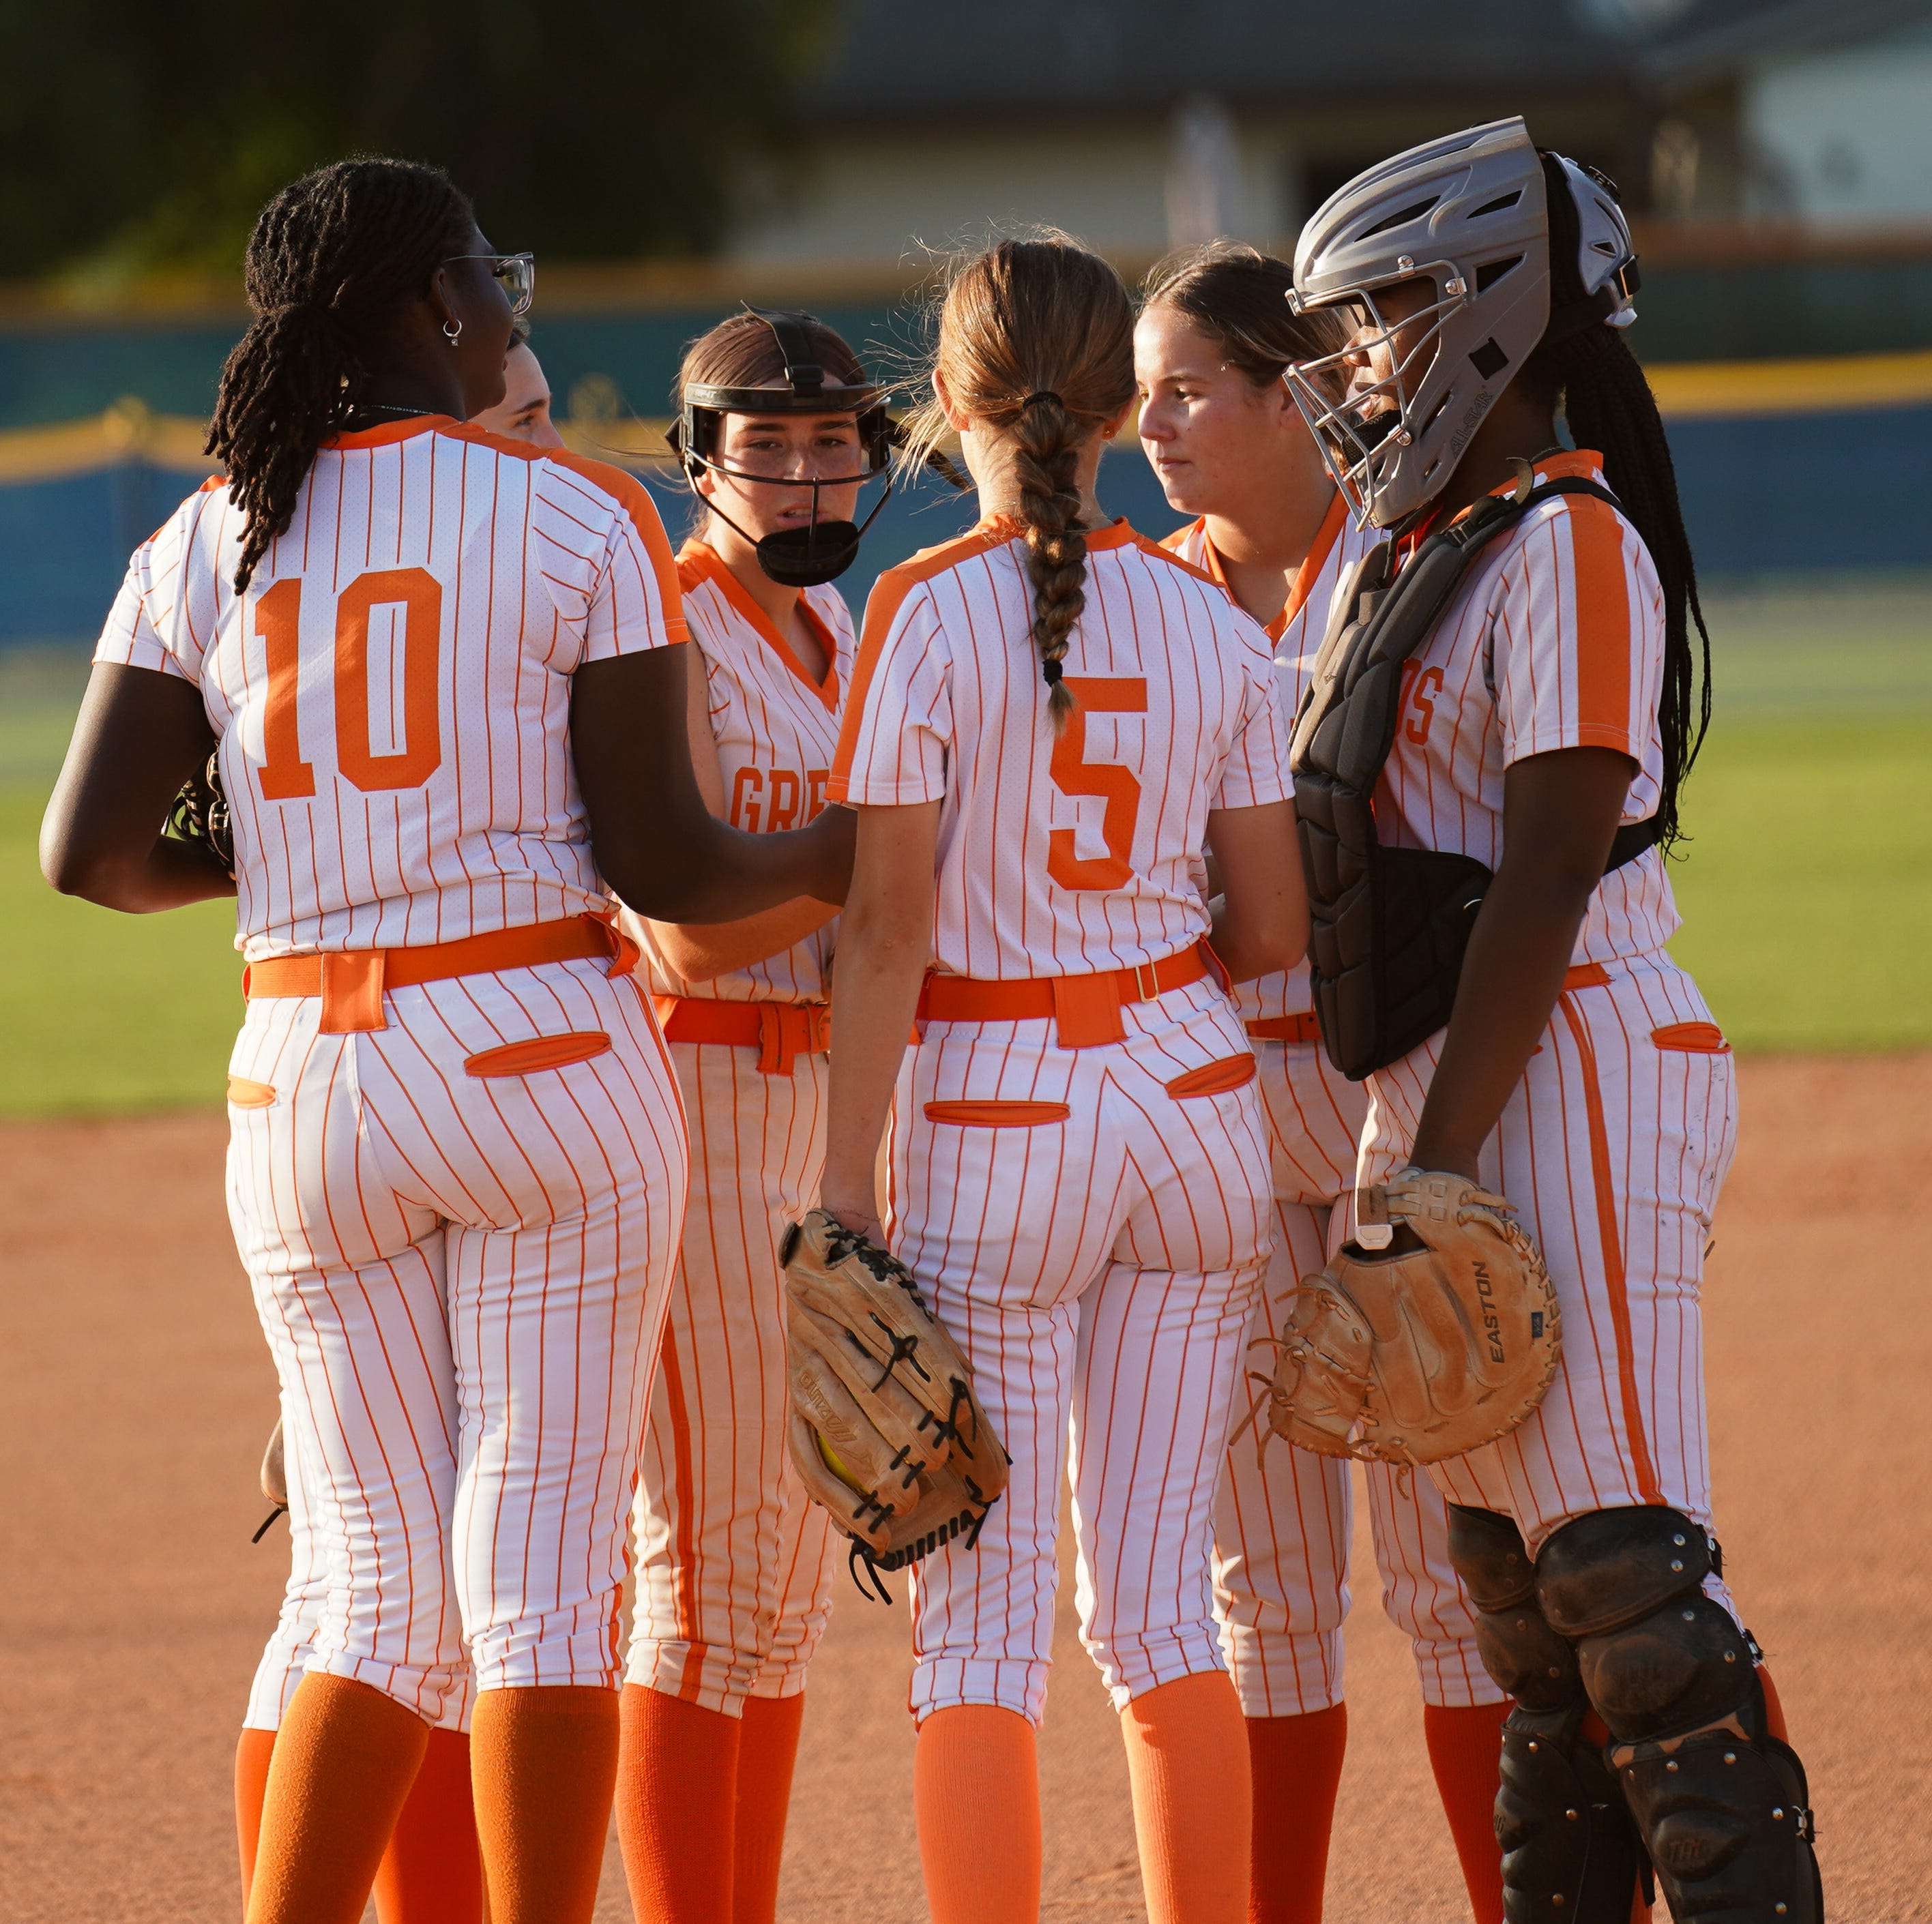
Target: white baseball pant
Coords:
[(1612, 1147), (1094, 1240), (734, 1560), (461, 1270), (1284, 1520)]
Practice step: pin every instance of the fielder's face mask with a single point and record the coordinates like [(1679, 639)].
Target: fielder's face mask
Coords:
[(822, 550)]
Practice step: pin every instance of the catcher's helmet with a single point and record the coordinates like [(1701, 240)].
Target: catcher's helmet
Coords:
[(1469, 214), (821, 550)]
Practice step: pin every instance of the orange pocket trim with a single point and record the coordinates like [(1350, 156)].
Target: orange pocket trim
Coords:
[(247, 1094), (542, 1051), (997, 1115), (1215, 1078), (1698, 1038)]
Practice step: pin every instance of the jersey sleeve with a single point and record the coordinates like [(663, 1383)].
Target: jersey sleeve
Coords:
[(1256, 772), (604, 554), (155, 622), (897, 725), (1577, 637)]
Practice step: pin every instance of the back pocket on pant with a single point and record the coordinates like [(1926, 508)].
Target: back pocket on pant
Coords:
[(1231, 1072), (541, 1052), (997, 1115)]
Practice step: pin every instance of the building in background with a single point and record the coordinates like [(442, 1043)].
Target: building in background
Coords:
[(1141, 124)]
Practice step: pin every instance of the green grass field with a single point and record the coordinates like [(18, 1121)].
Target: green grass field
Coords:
[(1807, 890)]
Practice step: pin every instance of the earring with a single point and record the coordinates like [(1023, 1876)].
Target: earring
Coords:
[(452, 332)]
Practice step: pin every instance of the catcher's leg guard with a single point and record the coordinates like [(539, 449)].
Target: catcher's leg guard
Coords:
[(1569, 1851), (1720, 1803)]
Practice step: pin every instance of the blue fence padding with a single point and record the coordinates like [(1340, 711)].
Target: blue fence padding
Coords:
[(62, 371), (1805, 491)]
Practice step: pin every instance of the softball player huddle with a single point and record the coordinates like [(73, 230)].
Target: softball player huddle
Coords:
[(542, 912)]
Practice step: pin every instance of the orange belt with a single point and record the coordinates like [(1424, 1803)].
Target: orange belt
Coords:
[(1302, 1028), (781, 1032), (1087, 1009), (352, 982)]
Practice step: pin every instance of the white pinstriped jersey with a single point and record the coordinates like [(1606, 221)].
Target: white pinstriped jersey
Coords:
[(776, 731), (1072, 855), (1296, 634), (1555, 640), (392, 692)]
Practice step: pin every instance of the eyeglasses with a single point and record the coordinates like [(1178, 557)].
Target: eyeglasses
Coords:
[(518, 273)]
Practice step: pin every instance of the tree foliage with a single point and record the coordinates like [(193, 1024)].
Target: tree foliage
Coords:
[(138, 136)]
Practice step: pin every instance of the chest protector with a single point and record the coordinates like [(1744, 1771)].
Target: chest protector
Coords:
[(1388, 926)]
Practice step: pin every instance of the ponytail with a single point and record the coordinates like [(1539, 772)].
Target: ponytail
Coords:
[(331, 258), (1610, 408), (1036, 340)]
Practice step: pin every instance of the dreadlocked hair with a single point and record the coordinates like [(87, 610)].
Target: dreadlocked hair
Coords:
[(332, 257), (1610, 408), (1237, 297), (1036, 342)]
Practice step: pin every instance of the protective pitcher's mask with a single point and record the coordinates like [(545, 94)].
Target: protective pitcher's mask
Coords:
[(823, 549)]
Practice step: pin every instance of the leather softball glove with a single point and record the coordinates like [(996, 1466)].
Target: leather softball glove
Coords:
[(885, 1430), (199, 813), (1410, 1358)]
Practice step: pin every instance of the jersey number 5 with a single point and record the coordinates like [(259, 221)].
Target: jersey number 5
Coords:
[(1072, 774), (413, 663)]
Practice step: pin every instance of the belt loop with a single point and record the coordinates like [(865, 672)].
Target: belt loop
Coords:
[(1087, 1011), (351, 992), (1147, 982)]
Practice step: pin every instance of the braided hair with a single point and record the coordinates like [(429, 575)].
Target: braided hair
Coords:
[(1610, 408), (1036, 340), (332, 257)]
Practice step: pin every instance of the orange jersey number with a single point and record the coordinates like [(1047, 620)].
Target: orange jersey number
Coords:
[(1073, 774), (414, 657)]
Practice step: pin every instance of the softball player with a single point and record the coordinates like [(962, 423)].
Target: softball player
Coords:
[(431, 1871), (457, 1165), (734, 1560), (1228, 445), (1049, 722), (1546, 725)]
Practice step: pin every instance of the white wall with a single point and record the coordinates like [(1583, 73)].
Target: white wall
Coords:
[(1845, 137), (870, 198)]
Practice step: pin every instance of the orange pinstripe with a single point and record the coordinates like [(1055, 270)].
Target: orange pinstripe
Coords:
[(1099, 1265), (1614, 1145), (459, 1224), (734, 1562)]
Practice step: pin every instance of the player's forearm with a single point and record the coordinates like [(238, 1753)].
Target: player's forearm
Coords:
[(695, 869), (885, 945), (171, 875), (698, 951)]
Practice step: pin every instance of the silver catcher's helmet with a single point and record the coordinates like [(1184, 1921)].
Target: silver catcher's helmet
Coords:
[(1468, 214)]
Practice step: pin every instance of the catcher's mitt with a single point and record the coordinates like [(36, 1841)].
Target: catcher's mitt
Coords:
[(199, 813), (885, 1429), (1412, 1358)]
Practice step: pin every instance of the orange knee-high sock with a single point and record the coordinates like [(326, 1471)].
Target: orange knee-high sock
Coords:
[(344, 1760), (252, 1753), (767, 1749), (1193, 1807), (543, 1762), (1295, 1765), (677, 1785), (1466, 1752), (432, 1873), (975, 1793), (1774, 1710)]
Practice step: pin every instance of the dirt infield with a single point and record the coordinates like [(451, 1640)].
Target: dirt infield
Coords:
[(137, 1393)]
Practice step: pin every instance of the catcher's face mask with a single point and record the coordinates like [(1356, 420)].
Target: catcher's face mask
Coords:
[(856, 448)]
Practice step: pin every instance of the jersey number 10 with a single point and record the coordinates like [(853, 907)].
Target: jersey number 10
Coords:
[(285, 775)]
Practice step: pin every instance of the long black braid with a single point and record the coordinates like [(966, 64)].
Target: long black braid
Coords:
[(332, 257), (1610, 408)]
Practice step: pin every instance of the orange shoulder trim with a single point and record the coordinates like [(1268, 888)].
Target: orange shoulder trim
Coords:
[(882, 608), (1161, 551)]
